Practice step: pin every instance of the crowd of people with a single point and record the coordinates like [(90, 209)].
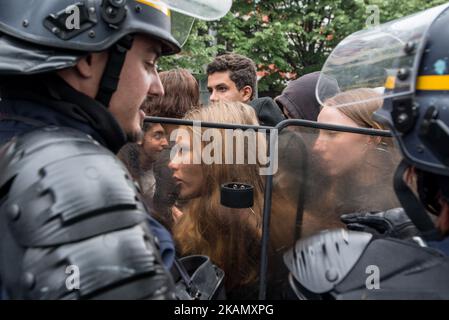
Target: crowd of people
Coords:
[(322, 172)]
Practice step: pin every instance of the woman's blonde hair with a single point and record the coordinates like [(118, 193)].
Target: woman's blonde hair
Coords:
[(359, 105), (367, 186), (230, 237)]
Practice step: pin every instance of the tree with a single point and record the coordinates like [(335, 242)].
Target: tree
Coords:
[(286, 38), (198, 51)]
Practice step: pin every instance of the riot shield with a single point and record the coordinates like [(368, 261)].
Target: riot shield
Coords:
[(318, 172), (325, 171), (213, 195)]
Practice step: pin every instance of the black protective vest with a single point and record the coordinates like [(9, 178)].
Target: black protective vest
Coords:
[(344, 264), (69, 212)]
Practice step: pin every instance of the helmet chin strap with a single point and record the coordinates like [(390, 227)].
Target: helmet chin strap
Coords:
[(413, 206), (111, 74)]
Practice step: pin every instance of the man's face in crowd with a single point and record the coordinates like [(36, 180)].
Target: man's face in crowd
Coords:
[(154, 141), (221, 87), (138, 79)]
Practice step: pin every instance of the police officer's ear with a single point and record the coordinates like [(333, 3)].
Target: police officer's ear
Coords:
[(247, 93), (92, 65), (86, 75)]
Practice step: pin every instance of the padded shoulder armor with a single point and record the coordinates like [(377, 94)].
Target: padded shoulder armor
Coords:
[(365, 268), (70, 212), (397, 269), (320, 262)]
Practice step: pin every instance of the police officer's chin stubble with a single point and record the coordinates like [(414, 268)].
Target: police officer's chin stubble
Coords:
[(133, 133), (135, 136)]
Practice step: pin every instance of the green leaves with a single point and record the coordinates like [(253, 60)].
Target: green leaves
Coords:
[(285, 38)]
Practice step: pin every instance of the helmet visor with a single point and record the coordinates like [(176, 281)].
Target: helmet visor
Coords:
[(183, 13), (200, 9), (384, 58), (181, 25)]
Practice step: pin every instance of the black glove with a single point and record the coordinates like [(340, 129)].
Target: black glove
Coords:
[(391, 223)]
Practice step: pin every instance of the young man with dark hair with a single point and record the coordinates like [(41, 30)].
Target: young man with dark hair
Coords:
[(231, 77)]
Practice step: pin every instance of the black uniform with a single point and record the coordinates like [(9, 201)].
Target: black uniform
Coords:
[(66, 200), (352, 265)]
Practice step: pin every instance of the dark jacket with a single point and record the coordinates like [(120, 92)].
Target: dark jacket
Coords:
[(442, 245), (299, 96), (267, 111)]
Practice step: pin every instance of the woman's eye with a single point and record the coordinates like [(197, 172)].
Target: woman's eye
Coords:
[(183, 149), (332, 133)]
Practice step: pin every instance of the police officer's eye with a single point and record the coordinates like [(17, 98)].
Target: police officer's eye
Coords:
[(150, 66)]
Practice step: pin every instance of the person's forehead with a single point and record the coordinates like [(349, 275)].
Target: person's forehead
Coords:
[(148, 44), (218, 78), (333, 116), (156, 127)]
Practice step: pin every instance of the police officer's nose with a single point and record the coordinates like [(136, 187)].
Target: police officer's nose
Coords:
[(156, 88)]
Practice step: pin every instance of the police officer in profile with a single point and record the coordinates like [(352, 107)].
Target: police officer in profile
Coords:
[(412, 66), (73, 76)]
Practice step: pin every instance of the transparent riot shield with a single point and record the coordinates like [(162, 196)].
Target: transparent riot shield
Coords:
[(325, 171), (311, 175), (209, 191), (339, 172)]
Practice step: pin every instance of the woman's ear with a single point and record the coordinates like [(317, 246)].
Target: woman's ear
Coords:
[(374, 140)]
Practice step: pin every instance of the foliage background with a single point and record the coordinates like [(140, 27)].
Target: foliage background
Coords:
[(285, 38)]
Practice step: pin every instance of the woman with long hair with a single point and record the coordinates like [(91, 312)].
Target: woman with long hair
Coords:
[(230, 237), (352, 172)]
